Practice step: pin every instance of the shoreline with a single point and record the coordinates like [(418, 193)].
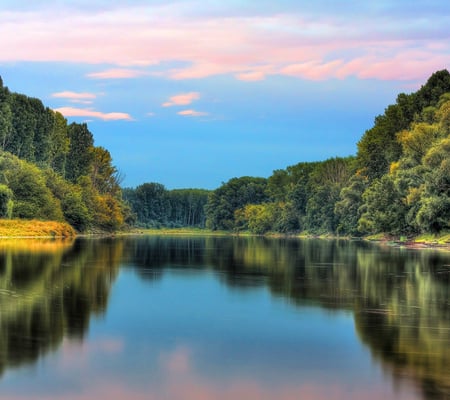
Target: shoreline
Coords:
[(20, 228), (424, 241), (36, 229)]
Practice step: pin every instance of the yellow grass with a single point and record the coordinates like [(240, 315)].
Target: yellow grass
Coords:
[(35, 245), (441, 239), (34, 228), (177, 231)]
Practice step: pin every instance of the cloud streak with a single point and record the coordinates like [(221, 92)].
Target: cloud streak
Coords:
[(182, 99), (298, 41), (74, 95), (88, 112), (192, 113), (116, 73)]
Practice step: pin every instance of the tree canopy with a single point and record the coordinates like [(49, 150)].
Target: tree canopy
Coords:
[(51, 170)]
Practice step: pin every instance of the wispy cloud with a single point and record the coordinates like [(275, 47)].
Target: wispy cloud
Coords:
[(116, 73), (182, 99), (74, 95), (88, 112), (300, 40), (192, 113)]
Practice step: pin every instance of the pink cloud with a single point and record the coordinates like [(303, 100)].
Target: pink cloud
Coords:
[(192, 113), (179, 377), (116, 73), (87, 112), (251, 76), (74, 95), (294, 44), (182, 99), (313, 70), (176, 361)]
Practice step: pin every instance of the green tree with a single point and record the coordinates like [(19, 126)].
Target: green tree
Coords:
[(80, 155), (6, 202), (23, 125), (6, 127), (379, 147), (32, 198), (231, 196), (347, 209), (70, 196), (383, 209), (104, 175), (59, 143), (326, 182)]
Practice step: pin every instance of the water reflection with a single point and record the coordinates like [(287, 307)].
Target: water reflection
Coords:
[(48, 290), (400, 297), (399, 300)]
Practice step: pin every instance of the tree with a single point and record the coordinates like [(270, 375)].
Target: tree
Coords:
[(32, 198), (326, 182), (257, 218), (80, 155), (347, 209), (104, 175), (23, 127), (150, 204), (70, 196), (6, 202), (378, 147), (231, 196), (416, 141), (383, 209), (59, 143), (6, 127)]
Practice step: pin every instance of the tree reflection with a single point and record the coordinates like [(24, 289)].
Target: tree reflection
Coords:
[(400, 298), (48, 290)]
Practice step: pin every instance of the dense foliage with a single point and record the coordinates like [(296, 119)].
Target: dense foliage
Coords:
[(50, 170), (154, 206), (398, 183)]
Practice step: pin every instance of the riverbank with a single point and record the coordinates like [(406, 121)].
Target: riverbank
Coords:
[(441, 241), (421, 241), (19, 228), (176, 231)]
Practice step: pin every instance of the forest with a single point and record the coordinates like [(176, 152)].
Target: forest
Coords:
[(51, 170), (398, 182)]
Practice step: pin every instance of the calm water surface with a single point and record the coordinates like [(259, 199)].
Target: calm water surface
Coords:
[(222, 318)]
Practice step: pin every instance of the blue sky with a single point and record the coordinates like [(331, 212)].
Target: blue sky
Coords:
[(191, 94)]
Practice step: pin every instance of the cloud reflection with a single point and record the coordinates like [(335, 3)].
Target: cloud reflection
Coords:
[(180, 378)]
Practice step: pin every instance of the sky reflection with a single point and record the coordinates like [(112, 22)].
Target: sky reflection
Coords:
[(227, 346)]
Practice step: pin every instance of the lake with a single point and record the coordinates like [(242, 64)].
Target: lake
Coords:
[(162, 317)]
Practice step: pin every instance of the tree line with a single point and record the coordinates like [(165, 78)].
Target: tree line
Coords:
[(398, 182), (51, 170), (153, 206)]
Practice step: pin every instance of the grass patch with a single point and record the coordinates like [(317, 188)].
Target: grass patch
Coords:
[(35, 245), (177, 231), (35, 228), (441, 239)]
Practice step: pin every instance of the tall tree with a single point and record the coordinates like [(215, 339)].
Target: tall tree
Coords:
[(104, 175), (59, 143), (80, 155), (24, 126)]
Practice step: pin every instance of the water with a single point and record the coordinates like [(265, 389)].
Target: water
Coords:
[(222, 318)]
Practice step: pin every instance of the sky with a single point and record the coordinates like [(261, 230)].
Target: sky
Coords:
[(192, 93)]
